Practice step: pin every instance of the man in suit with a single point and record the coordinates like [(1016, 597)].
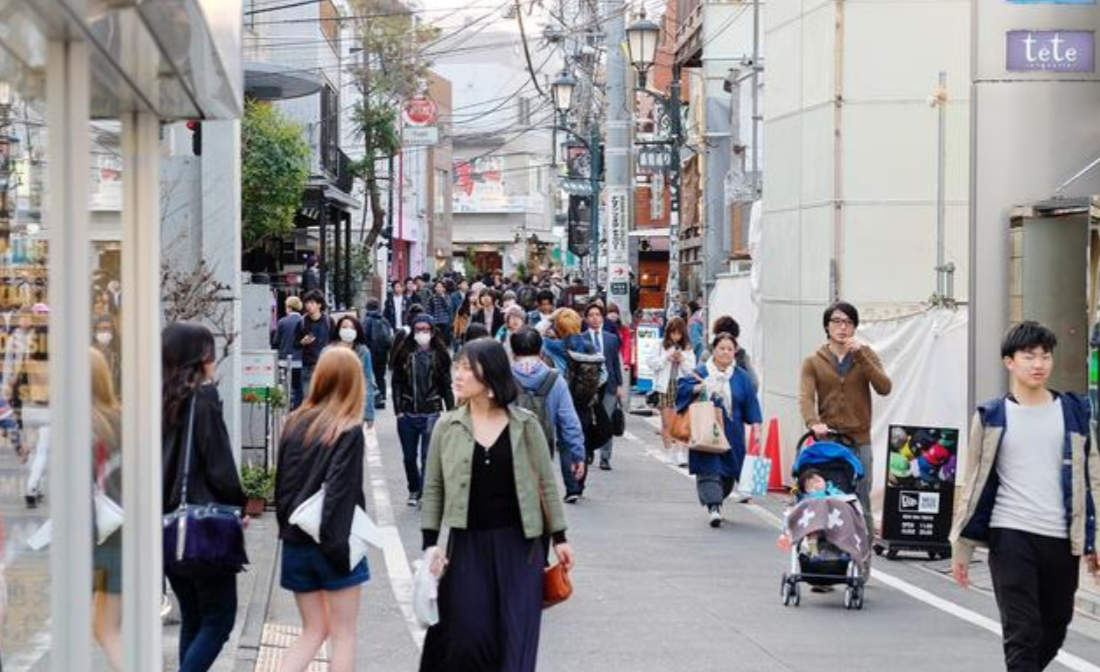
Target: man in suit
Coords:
[(613, 389), (396, 306)]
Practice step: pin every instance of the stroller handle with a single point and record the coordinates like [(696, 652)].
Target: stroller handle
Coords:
[(838, 437)]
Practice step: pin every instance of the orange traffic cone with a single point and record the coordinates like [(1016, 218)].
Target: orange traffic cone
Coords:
[(771, 451)]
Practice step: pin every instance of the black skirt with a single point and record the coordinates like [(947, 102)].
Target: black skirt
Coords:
[(490, 604)]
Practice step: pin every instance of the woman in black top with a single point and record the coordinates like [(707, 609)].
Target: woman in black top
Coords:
[(322, 445), (488, 313), (208, 604)]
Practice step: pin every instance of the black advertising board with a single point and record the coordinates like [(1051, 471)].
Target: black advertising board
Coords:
[(921, 464)]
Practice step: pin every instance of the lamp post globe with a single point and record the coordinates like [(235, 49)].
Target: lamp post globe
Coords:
[(561, 90), (642, 37)]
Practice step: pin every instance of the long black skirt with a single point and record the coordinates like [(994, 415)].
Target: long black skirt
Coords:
[(490, 604)]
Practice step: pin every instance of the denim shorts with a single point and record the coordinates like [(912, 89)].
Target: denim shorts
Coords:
[(305, 570)]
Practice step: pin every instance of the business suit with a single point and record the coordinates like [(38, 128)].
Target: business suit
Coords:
[(395, 315), (608, 343)]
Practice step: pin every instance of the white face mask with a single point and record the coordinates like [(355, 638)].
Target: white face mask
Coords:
[(347, 335), (104, 338), (423, 339)]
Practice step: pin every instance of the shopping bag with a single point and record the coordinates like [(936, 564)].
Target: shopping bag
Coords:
[(108, 515), (680, 428), (754, 475), (425, 598), (307, 518), (707, 431)]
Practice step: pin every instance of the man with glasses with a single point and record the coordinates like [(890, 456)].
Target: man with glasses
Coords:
[(835, 391)]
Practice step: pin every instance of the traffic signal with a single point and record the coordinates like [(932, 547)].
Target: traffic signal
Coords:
[(196, 136)]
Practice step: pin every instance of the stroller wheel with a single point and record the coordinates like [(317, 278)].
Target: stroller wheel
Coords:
[(783, 585), (859, 598), (849, 598), (787, 594)]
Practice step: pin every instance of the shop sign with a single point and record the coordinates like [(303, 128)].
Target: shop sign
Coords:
[(420, 136), (618, 252), (647, 346), (258, 368), (421, 111), (653, 158), (1051, 51), (918, 503)]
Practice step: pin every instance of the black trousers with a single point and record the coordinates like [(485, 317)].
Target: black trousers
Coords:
[(1035, 579), (378, 362)]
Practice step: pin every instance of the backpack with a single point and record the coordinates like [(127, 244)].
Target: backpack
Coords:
[(583, 375), (536, 403), (379, 335)]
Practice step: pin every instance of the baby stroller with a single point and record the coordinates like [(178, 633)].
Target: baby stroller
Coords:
[(827, 531)]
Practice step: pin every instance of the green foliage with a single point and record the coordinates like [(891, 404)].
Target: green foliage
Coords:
[(362, 265), (274, 172), (257, 482), (471, 270)]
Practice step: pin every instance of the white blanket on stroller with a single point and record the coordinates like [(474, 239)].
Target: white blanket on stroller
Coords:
[(838, 520)]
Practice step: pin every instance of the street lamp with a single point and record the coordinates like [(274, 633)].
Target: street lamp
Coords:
[(561, 90), (642, 37)]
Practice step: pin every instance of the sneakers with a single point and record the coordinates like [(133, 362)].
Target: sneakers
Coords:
[(605, 465), (715, 518), (414, 499), (670, 456), (682, 457), (572, 498)]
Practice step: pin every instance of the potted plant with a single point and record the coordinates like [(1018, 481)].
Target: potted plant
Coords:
[(258, 483)]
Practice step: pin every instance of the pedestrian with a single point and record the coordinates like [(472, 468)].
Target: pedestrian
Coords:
[(675, 359), (192, 412), (549, 392), (352, 336), (508, 299), (396, 306), (290, 355), (322, 447), (613, 392), (311, 278), (439, 307), (421, 391), (491, 482), (544, 300), (380, 341), (313, 335), (514, 319), (727, 386), (1033, 485), (487, 312), (475, 331), (727, 325), (697, 327), (835, 392), (107, 554), (462, 320)]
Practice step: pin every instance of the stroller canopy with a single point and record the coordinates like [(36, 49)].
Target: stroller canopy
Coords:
[(837, 462)]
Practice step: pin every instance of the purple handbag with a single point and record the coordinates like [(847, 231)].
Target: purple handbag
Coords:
[(202, 539)]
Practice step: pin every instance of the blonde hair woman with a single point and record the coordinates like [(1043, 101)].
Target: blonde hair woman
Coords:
[(107, 557), (323, 445)]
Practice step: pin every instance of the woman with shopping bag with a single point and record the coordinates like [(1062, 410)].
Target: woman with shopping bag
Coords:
[(322, 447), (718, 433)]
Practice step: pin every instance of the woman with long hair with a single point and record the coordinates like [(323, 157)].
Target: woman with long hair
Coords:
[(421, 391), (491, 482), (322, 446), (728, 387), (350, 334), (462, 319), (107, 475), (192, 410), (675, 359)]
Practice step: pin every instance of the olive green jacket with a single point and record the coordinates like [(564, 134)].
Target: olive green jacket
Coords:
[(446, 493)]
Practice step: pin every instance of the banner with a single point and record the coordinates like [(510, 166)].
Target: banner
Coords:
[(921, 466), (648, 337)]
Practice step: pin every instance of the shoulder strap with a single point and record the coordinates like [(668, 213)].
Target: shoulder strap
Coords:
[(547, 383), (187, 448)]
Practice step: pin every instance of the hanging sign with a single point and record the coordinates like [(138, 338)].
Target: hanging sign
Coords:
[(920, 485), (1051, 51), (648, 346), (618, 252)]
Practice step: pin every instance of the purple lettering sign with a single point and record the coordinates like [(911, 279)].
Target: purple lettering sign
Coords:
[(1051, 51)]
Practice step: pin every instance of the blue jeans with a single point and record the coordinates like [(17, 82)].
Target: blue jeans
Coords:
[(208, 608), (415, 432), (572, 485), (307, 379)]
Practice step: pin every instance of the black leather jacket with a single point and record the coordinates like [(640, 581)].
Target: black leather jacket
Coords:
[(422, 382)]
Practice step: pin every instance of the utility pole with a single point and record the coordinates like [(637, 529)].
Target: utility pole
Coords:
[(617, 155), (677, 142)]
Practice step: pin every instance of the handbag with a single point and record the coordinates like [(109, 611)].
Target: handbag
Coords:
[(307, 518), (680, 428), (556, 586), (202, 539), (708, 433), (755, 470), (618, 419)]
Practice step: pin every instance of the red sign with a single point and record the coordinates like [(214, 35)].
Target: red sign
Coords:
[(421, 110)]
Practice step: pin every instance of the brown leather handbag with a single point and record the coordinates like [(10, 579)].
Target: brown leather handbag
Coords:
[(680, 429), (556, 586)]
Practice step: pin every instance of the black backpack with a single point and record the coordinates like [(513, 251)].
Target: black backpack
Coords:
[(536, 403), (379, 335), (583, 375)]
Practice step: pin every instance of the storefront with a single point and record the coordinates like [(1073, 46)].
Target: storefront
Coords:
[(84, 89)]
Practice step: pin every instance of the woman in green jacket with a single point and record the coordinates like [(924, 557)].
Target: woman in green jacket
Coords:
[(490, 481)]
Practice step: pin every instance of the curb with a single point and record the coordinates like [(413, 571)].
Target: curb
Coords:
[(1088, 599), (248, 646)]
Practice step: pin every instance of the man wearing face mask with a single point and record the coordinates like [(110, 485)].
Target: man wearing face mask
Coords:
[(105, 343), (421, 391)]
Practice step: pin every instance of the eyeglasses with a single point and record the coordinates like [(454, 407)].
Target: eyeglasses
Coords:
[(841, 322)]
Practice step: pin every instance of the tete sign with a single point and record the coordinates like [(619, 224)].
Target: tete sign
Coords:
[(1051, 51)]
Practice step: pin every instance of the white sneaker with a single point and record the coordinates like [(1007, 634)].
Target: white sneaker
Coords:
[(670, 456), (715, 518), (682, 457)]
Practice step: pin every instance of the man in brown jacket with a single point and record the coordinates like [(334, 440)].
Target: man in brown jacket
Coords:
[(835, 391)]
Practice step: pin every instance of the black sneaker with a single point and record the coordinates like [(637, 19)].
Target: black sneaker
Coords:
[(605, 465)]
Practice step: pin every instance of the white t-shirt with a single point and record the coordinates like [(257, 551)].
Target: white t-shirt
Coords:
[(1029, 465)]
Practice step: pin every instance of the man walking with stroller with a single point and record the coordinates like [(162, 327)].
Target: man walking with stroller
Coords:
[(835, 392), (1031, 491)]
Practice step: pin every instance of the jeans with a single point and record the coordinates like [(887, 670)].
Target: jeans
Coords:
[(1034, 579), (863, 490), (608, 400), (572, 485), (307, 378), (415, 432), (379, 364), (208, 608)]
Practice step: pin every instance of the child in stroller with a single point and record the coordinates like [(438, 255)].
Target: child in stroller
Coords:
[(824, 527)]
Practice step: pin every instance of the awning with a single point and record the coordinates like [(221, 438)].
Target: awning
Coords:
[(271, 81), (650, 233)]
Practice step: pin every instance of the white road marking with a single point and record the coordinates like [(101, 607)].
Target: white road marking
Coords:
[(630, 436), (397, 563), (1075, 663)]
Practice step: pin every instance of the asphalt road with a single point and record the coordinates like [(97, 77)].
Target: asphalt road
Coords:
[(657, 589)]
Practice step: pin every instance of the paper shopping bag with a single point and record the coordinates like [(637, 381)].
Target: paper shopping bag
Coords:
[(754, 475), (707, 432)]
